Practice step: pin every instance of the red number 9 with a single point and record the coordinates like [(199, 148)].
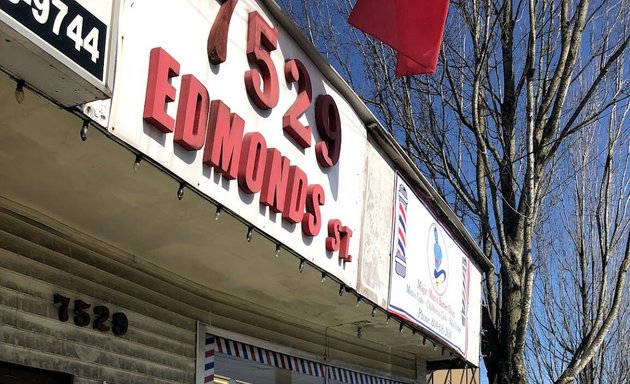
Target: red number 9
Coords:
[(329, 128)]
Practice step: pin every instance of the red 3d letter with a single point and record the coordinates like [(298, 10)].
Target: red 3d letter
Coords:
[(274, 187), (333, 239), (162, 67), (192, 114), (339, 239), (297, 187), (252, 168), (312, 220), (344, 247), (224, 140)]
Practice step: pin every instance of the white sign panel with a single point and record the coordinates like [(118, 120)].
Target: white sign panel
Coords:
[(61, 48), (66, 26), (260, 131), (431, 275)]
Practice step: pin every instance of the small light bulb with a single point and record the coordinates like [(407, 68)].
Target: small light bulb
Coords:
[(136, 163), (301, 267), (84, 130), (250, 233), (277, 254), (373, 311), (217, 214), (400, 329), (323, 277), (358, 301), (341, 289), (387, 320), (19, 91), (180, 191)]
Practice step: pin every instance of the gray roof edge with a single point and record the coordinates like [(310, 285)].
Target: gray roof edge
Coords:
[(384, 138)]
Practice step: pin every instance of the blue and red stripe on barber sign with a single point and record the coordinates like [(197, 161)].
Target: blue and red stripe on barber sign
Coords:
[(218, 345)]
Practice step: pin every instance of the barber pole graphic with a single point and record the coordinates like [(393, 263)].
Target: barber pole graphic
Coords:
[(464, 289), (282, 361), (401, 232), (268, 357), (209, 360), (465, 294)]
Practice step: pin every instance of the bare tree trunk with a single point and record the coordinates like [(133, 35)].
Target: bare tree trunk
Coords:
[(585, 314)]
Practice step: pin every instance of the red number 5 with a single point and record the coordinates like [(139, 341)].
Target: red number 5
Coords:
[(261, 39)]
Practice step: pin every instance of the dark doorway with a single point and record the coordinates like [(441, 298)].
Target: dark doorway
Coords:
[(19, 374)]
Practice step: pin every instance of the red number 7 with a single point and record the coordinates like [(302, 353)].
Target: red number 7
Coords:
[(217, 39)]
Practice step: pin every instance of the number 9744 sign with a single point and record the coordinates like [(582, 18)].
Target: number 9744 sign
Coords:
[(67, 26)]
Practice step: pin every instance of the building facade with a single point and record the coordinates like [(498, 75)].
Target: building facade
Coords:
[(189, 193)]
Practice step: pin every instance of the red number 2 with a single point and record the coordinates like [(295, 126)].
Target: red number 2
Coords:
[(261, 39), (295, 71)]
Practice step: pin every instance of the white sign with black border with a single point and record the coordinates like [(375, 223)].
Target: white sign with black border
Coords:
[(67, 26), (63, 49)]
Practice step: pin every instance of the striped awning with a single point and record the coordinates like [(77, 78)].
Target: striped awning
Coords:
[(215, 344), (208, 376)]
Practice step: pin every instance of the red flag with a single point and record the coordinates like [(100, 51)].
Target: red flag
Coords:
[(412, 27)]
